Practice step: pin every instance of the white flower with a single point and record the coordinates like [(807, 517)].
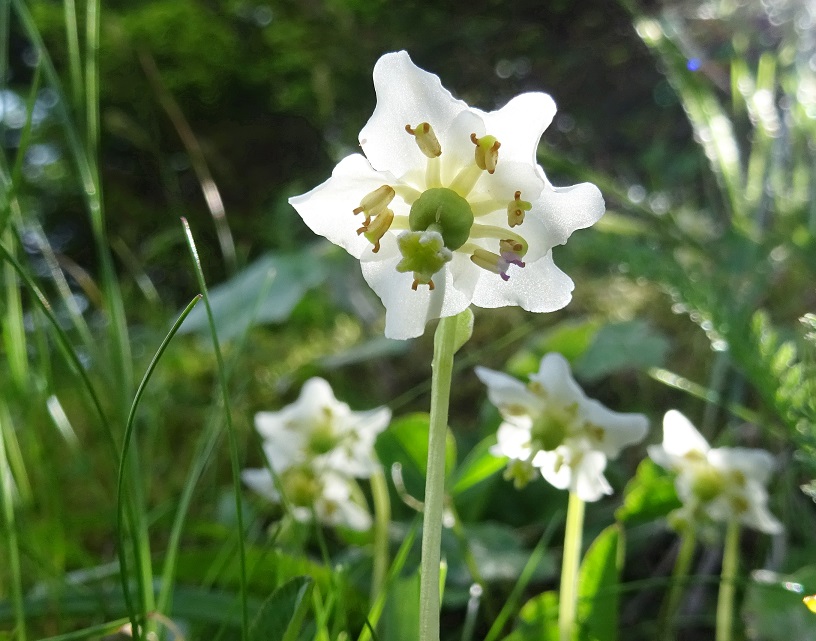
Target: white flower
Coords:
[(334, 499), (721, 484), (319, 429), (455, 209), (314, 448), (550, 426)]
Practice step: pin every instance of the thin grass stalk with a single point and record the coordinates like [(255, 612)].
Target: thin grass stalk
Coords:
[(74, 55), (512, 603), (204, 448), (667, 620), (233, 445), (382, 519), (92, 29), (120, 483), (10, 527), (728, 583)]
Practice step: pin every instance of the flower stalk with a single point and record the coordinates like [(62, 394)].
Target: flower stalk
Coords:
[(573, 538), (679, 575), (442, 370), (728, 585)]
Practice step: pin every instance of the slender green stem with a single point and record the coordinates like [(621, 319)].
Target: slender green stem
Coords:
[(728, 583), (233, 443), (678, 583), (573, 538), (442, 371), (10, 527), (382, 518)]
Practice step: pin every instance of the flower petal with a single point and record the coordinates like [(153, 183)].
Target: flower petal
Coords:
[(681, 437), (518, 126), (328, 208), (619, 429), (555, 377), (408, 311), (508, 394), (406, 95), (565, 209), (754, 464), (538, 287), (512, 441), (260, 480)]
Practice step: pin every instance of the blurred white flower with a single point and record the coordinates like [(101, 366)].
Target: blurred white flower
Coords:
[(320, 430), (550, 427), (314, 449), (455, 209), (721, 484)]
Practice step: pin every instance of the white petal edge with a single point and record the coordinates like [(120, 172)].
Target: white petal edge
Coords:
[(681, 437), (563, 210)]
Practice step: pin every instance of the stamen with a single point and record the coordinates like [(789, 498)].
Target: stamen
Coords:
[(487, 152), (465, 180), (499, 233), (516, 209), (425, 139), (375, 229), (376, 202), (484, 207)]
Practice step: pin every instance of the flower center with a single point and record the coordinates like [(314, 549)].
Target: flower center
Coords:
[(444, 211), (551, 427)]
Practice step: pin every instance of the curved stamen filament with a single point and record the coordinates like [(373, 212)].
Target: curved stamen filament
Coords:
[(466, 179), (432, 173), (407, 193), (500, 233), (484, 207)]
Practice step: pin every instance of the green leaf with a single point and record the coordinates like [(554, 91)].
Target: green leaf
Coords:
[(464, 329), (598, 593), (538, 619), (775, 609), (400, 620), (569, 338), (406, 442), (479, 465), (648, 496), (265, 292), (281, 616), (622, 346)]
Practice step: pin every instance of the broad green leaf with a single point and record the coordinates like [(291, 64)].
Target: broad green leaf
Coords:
[(400, 619), (620, 346), (538, 619), (265, 292), (281, 615), (569, 338), (649, 495), (478, 465), (406, 442), (598, 593)]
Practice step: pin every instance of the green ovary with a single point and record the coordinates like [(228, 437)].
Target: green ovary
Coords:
[(444, 211), (549, 430)]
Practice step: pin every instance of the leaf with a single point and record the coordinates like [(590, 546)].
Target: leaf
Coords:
[(621, 346), (265, 292), (464, 329), (281, 615), (648, 496), (406, 442), (400, 620), (569, 338), (598, 593), (478, 465), (538, 619), (773, 609)]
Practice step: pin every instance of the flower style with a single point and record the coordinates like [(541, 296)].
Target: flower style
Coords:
[(552, 428), (448, 206), (315, 448), (720, 484)]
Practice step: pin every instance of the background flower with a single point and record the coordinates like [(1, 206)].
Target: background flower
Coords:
[(551, 427), (720, 484)]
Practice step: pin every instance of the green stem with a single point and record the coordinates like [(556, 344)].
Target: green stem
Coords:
[(568, 598), (678, 584), (382, 518), (728, 585), (442, 370)]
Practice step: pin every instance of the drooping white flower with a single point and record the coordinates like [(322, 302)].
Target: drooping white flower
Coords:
[(448, 206), (314, 449), (721, 484), (550, 427), (319, 429)]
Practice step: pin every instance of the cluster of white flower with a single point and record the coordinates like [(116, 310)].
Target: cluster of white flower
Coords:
[(315, 449)]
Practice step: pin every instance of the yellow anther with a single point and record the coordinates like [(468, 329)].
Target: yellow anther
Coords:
[(425, 139), (376, 202), (516, 209), (375, 229), (487, 152)]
